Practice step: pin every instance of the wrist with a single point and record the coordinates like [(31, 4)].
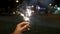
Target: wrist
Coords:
[(17, 32)]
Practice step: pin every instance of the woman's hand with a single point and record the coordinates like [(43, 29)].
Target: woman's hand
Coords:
[(21, 27)]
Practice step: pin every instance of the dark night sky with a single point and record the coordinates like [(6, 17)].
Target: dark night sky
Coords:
[(5, 3), (10, 2), (57, 2)]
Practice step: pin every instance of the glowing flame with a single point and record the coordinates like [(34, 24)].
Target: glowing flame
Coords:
[(28, 12), (25, 18), (27, 15), (22, 14)]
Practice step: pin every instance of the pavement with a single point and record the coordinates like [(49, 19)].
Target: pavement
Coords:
[(39, 24)]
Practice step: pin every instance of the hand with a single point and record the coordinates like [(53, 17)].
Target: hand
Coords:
[(21, 27)]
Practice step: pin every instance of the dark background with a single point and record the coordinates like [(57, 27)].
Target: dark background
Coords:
[(39, 24), (11, 3)]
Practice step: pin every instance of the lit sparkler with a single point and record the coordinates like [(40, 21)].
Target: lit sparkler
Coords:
[(27, 15), (24, 17)]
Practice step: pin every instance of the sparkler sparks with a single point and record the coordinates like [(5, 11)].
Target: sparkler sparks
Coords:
[(27, 14), (24, 17), (22, 14)]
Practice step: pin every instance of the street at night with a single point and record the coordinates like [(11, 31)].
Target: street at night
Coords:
[(39, 24), (43, 16)]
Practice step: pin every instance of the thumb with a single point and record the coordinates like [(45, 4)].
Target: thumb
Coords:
[(24, 27)]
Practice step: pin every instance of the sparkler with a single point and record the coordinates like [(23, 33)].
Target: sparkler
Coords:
[(24, 17), (27, 15)]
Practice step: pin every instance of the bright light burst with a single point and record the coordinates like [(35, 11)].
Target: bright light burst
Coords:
[(24, 17), (27, 14), (17, 1), (22, 14)]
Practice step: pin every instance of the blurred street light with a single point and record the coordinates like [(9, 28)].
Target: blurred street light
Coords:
[(13, 12), (17, 1), (50, 4), (58, 8), (32, 6)]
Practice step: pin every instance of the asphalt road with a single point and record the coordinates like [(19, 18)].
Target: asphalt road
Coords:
[(39, 24)]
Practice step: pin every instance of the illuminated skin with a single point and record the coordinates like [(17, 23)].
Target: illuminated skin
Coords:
[(21, 27)]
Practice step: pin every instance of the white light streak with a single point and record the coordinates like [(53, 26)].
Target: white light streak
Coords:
[(28, 12), (22, 14), (26, 18)]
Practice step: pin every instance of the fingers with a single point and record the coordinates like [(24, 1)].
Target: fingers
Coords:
[(21, 27), (25, 26), (26, 29), (23, 23)]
